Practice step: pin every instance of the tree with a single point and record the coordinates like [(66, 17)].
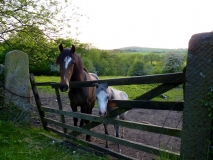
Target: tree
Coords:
[(173, 62), (137, 68), (151, 57), (48, 15)]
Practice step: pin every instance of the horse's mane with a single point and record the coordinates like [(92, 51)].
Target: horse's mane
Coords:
[(113, 93)]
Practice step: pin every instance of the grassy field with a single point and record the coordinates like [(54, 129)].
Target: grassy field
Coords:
[(132, 91)]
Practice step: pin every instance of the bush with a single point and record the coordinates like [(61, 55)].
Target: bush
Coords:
[(173, 62), (137, 69)]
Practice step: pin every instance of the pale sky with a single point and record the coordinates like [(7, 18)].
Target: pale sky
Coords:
[(145, 23)]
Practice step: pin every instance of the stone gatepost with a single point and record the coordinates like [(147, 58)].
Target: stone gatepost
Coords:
[(17, 87), (199, 79), (1, 69)]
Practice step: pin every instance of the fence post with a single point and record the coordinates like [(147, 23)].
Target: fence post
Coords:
[(17, 87), (60, 107), (38, 102), (199, 78)]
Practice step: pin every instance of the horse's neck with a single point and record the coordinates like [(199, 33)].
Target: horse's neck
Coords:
[(80, 76), (110, 93)]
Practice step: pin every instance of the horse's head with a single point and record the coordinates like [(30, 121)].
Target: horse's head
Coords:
[(102, 98), (66, 60)]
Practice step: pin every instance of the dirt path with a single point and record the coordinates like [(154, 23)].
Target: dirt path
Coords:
[(156, 117)]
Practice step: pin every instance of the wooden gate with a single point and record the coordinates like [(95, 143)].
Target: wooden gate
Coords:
[(166, 82)]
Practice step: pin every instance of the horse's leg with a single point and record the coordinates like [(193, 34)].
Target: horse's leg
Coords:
[(86, 109), (122, 129), (74, 109), (106, 132), (116, 128), (82, 120)]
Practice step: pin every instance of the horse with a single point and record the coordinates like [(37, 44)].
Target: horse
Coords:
[(103, 94), (72, 69)]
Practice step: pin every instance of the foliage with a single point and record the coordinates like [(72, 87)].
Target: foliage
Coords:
[(102, 62), (137, 68), (89, 65), (208, 102), (15, 15), (152, 57), (173, 62)]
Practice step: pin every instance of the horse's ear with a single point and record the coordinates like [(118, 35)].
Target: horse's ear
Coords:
[(73, 49), (106, 85), (61, 48), (96, 85)]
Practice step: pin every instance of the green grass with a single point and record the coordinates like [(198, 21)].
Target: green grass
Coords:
[(47, 89), (18, 142), (132, 91)]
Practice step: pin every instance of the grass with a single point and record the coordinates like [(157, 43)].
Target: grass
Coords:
[(20, 142), (132, 91), (47, 89)]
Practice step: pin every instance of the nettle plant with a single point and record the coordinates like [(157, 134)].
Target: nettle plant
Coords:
[(209, 103)]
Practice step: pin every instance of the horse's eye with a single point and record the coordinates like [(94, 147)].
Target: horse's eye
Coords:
[(107, 97)]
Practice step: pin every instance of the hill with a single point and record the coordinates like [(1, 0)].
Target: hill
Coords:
[(145, 49)]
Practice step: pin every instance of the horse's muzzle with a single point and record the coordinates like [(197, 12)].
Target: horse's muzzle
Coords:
[(102, 114), (63, 87)]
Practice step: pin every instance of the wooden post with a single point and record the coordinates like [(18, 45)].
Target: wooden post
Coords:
[(199, 78), (60, 107), (38, 102)]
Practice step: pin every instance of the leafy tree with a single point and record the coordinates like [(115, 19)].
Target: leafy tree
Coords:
[(48, 15), (173, 62), (151, 57), (104, 68), (40, 56), (121, 64), (94, 55), (89, 65), (137, 68), (148, 69)]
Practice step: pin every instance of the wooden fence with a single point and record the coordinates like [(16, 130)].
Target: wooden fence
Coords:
[(166, 82)]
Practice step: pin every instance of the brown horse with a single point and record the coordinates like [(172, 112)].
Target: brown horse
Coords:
[(72, 69)]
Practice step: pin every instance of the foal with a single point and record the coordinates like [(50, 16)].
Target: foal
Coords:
[(103, 94)]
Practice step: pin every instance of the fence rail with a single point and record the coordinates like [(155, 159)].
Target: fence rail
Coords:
[(160, 78), (134, 125)]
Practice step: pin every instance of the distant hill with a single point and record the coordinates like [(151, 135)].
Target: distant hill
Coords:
[(145, 49)]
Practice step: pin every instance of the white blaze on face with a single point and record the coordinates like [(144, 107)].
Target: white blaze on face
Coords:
[(67, 60), (102, 98)]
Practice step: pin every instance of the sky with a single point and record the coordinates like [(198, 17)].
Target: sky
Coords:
[(111, 24)]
